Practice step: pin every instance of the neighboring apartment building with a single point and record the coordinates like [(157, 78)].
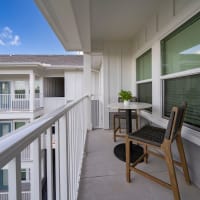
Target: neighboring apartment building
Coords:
[(31, 86)]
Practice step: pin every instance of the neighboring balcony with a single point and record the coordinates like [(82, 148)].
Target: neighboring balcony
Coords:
[(20, 102)]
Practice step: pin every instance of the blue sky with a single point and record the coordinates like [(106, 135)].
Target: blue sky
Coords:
[(23, 30)]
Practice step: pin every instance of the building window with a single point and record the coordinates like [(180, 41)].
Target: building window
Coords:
[(5, 128), (25, 175), (143, 66), (19, 89), (181, 49), (37, 88), (182, 89), (18, 124), (143, 77), (181, 53), (145, 93), (54, 87)]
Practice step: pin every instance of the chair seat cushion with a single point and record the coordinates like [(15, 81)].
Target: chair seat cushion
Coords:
[(149, 135)]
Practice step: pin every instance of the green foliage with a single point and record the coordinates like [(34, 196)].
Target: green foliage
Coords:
[(125, 95)]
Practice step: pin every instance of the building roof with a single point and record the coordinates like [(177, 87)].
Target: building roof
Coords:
[(76, 60)]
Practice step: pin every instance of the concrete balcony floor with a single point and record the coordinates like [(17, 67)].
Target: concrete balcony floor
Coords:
[(103, 175)]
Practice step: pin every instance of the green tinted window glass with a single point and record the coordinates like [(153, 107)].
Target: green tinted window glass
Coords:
[(183, 89), (145, 92), (19, 124), (143, 66), (181, 49)]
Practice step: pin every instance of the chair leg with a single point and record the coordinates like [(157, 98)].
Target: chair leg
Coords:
[(114, 130), (128, 171), (183, 159), (136, 122), (146, 154), (171, 170), (119, 125)]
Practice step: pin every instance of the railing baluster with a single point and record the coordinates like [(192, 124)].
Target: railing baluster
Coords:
[(36, 187), (70, 168), (49, 164), (14, 178), (63, 158), (57, 160)]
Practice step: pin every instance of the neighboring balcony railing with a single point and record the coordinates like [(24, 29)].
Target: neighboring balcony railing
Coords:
[(71, 124), (19, 102), (25, 196)]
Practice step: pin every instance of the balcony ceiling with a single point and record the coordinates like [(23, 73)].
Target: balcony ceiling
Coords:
[(119, 19), (77, 23)]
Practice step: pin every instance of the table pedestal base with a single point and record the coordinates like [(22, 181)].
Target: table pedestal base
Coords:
[(120, 152)]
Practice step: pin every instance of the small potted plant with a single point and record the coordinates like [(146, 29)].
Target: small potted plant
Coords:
[(125, 96)]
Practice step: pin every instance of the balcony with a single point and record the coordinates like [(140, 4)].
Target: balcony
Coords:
[(72, 172), (19, 102), (104, 176)]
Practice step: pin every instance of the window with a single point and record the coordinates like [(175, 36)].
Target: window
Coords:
[(37, 88), (145, 92), (19, 124), (25, 175), (143, 77), (143, 66), (19, 89), (182, 89), (5, 127), (181, 52), (54, 87), (181, 49), (3, 179)]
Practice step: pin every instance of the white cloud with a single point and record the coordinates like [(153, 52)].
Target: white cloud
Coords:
[(7, 38), (2, 43), (15, 41)]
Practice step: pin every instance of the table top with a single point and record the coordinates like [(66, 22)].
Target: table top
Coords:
[(132, 106)]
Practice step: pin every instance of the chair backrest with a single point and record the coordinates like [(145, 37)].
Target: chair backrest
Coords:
[(175, 121)]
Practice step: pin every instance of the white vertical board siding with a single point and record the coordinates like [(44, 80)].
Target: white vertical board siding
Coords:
[(95, 87), (116, 73), (127, 71), (73, 85), (181, 5), (165, 13)]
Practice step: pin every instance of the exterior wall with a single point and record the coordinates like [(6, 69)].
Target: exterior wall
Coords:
[(51, 103), (116, 72), (170, 16), (73, 85)]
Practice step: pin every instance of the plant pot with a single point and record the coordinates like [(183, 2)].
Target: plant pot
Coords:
[(126, 103)]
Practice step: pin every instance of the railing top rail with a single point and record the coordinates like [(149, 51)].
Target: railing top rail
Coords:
[(15, 142)]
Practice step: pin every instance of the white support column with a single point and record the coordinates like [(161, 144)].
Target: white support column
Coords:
[(14, 178), (87, 86), (36, 186), (41, 91), (57, 160), (32, 90), (63, 159), (49, 164), (156, 82)]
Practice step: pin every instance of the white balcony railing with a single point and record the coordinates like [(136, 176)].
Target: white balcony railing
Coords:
[(71, 123), (18, 102), (25, 196)]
